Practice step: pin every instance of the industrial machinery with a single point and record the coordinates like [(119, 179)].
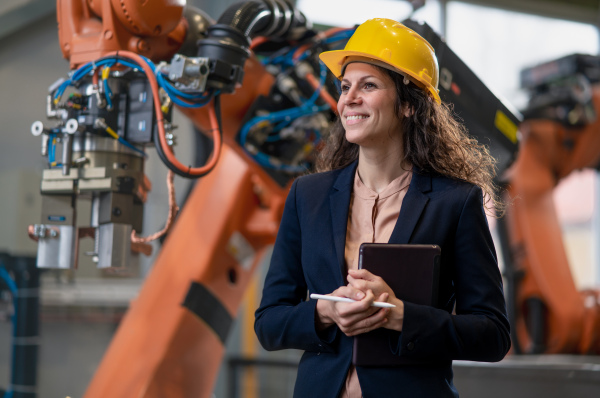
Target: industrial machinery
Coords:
[(131, 63), (251, 81), (560, 135)]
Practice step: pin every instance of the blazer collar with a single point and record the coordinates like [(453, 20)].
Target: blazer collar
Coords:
[(412, 206), (339, 201)]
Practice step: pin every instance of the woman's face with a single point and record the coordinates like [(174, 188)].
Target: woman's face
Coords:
[(367, 106)]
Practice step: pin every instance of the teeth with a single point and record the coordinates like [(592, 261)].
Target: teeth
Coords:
[(356, 117)]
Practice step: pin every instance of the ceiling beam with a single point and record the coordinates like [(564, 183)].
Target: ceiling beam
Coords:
[(586, 11)]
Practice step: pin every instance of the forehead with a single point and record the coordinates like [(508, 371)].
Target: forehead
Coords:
[(357, 70)]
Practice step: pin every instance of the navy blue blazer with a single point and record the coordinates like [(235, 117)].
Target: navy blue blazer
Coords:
[(309, 257)]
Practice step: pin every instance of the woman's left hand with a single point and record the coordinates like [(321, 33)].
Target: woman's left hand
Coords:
[(364, 280)]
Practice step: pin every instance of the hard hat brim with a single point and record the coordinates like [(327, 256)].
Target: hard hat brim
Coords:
[(336, 60)]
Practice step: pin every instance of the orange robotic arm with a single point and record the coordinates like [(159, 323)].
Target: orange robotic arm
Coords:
[(88, 30), (171, 341), (551, 315)]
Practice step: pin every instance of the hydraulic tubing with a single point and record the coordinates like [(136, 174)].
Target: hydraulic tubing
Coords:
[(273, 18), (247, 17), (26, 326), (227, 44)]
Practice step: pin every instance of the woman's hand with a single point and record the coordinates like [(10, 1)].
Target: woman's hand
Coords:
[(352, 318), (363, 280)]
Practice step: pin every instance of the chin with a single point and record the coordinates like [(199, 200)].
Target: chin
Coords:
[(354, 137)]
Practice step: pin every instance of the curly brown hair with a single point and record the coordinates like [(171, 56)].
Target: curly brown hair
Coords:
[(434, 142)]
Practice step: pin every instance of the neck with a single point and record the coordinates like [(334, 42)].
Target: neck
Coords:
[(377, 169)]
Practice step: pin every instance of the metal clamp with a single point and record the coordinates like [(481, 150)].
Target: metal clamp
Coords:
[(191, 73), (42, 231)]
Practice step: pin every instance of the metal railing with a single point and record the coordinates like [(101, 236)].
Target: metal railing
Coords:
[(269, 378)]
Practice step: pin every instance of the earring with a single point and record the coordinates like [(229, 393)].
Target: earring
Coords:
[(406, 81)]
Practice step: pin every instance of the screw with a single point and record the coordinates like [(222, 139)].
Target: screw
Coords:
[(142, 45)]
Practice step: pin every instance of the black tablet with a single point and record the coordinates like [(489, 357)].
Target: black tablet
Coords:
[(412, 272)]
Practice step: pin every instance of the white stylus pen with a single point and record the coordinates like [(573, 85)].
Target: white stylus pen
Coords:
[(379, 304)]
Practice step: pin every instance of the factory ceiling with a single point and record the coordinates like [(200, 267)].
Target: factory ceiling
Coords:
[(587, 11), (15, 14)]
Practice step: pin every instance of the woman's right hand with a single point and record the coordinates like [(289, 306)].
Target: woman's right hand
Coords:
[(352, 318)]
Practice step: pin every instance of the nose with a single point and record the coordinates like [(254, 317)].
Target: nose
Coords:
[(352, 96)]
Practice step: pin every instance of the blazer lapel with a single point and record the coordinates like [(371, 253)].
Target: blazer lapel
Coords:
[(339, 201), (412, 206)]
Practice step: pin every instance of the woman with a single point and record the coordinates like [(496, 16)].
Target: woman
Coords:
[(400, 170)]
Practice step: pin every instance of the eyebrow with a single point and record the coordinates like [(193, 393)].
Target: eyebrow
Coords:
[(362, 78)]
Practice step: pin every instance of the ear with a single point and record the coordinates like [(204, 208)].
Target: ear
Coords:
[(406, 110)]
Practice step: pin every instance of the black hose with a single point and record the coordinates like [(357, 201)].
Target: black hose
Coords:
[(275, 18), (248, 17)]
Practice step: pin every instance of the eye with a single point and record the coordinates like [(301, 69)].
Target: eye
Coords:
[(345, 87), (369, 85)]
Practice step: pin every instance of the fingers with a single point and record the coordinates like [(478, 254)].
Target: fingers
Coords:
[(378, 318), (355, 318), (362, 277), (358, 317), (372, 282), (375, 321), (360, 284), (362, 274), (350, 292)]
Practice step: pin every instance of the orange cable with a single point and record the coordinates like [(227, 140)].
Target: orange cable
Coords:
[(321, 36), (95, 77), (195, 171), (258, 41), (300, 50), (312, 80), (173, 209), (332, 31)]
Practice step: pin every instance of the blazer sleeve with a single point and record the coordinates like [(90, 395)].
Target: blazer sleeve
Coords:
[(284, 318), (479, 330)]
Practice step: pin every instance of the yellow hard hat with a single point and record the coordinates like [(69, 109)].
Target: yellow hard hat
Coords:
[(389, 44)]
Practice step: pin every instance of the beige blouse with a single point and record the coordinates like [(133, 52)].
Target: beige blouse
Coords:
[(371, 218)]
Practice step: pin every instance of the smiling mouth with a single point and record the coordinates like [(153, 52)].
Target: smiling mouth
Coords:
[(356, 117)]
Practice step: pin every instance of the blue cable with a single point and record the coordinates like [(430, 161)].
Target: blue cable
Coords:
[(305, 109), (84, 71), (131, 146), (12, 286), (345, 34), (286, 115), (174, 94), (287, 58), (52, 151), (51, 148), (107, 93), (323, 78), (279, 56), (266, 161), (160, 76)]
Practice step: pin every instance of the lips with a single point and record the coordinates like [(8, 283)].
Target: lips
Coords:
[(354, 119)]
